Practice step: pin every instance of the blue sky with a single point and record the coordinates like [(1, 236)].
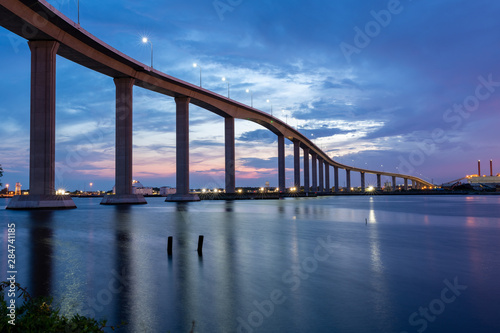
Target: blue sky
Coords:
[(407, 86)]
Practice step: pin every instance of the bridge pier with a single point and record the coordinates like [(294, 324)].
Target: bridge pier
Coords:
[(406, 184), (327, 178), (336, 178), (362, 181), (314, 166), (413, 184), (123, 147), (348, 180), (393, 183), (182, 153), (230, 155), (281, 164), (296, 164), (42, 132), (379, 182), (321, 176), (306, 169)]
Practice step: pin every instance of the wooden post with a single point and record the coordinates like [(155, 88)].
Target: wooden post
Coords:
[(169, 246), (200, 245)]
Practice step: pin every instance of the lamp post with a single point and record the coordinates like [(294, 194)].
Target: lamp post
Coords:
[(224, 79), (196, 65), (78, 5), (7, 187), (146, 40), (271, 107), (286, 116), (251, 96)]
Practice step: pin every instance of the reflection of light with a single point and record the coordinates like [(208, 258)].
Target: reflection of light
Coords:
[(372, 218), (471, 221)]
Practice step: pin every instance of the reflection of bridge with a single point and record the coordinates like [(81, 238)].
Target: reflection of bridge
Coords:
[(50, 33)]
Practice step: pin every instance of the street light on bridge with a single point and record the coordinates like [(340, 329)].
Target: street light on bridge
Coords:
[(196, 65), (251, 96), (146, 40), (224, 79), (268, 101)]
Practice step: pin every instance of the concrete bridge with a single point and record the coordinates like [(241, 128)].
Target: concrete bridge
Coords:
[(49, 33)]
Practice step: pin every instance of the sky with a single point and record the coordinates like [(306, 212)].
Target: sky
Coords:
[(399, 86)]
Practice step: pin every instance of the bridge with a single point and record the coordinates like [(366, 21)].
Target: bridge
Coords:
[(50, 33)]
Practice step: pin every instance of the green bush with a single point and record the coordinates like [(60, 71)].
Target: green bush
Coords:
[(37, 314)]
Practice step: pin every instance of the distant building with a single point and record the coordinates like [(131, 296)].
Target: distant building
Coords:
[(491, 181), (18, 189), (166, 190), (138, 188)]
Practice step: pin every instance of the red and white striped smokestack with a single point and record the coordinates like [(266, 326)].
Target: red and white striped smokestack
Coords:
[(491, 168), (479, 168)]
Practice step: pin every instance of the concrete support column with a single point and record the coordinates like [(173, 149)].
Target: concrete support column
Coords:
[(123, 146), (230, 155), (306, 170), (362, 181), (379, 182), (42, 132), (393, 183), (182, 152), (336, 178), (321, 176), (348, 180), (406, 184), (123, 136), (327, 178), (314, 166), (413, 184), (281, 164), (296, 164)]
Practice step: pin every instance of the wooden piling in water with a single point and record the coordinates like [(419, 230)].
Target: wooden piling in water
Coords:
[(200, 245), (169, 246)]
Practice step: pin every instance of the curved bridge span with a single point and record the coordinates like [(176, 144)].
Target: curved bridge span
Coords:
[(49, 33)]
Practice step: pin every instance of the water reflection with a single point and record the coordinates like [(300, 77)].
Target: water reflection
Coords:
[(120, 284), (41, 253)]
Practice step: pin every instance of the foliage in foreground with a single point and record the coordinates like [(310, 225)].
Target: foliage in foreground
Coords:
[(38, 315)]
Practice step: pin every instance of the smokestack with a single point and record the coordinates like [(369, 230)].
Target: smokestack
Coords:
[(479, 168), (491, 168)]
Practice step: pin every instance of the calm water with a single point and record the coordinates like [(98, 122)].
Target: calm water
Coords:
[(418, 263)]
